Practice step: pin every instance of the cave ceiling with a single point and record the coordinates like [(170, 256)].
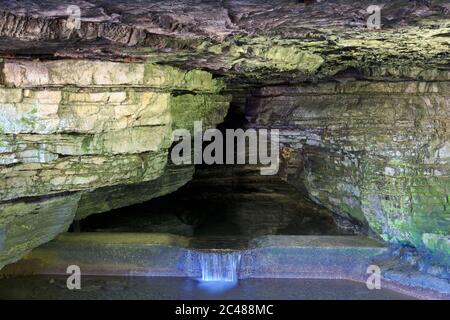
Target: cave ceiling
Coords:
[(246, 40)]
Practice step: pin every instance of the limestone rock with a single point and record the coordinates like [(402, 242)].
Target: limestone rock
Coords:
[(83, 73), (95, 130), (439, 244), (370, 151), (89, 111), (250, 39), (25, 224), (113, 197)]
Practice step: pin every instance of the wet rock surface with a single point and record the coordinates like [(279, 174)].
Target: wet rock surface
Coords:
[(87, 110), (249, 39), (92, 134), (371, 151)]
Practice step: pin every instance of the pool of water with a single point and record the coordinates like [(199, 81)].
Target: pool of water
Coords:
[(173, 288)]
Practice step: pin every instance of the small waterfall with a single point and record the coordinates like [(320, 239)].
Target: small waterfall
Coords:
[(220, 266)]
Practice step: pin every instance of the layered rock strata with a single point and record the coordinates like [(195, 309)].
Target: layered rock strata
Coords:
[(375, 152), (259, 40), (81, 137)]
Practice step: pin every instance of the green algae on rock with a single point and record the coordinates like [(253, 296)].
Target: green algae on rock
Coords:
[(373, 152), (27, 224), (88, 128), (439, 244), (83, 73)]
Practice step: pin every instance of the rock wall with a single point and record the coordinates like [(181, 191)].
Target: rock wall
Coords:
[(82, 127), (82, 137), (264, 40), (374, 152)]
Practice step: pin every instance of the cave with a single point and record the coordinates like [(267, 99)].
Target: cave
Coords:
[(166, 153), (245, 204)]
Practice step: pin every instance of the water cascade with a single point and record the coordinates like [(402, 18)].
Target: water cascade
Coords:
[(219, 266)]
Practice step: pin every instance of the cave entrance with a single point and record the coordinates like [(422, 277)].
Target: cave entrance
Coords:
[(222, 206), (222, 201)]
